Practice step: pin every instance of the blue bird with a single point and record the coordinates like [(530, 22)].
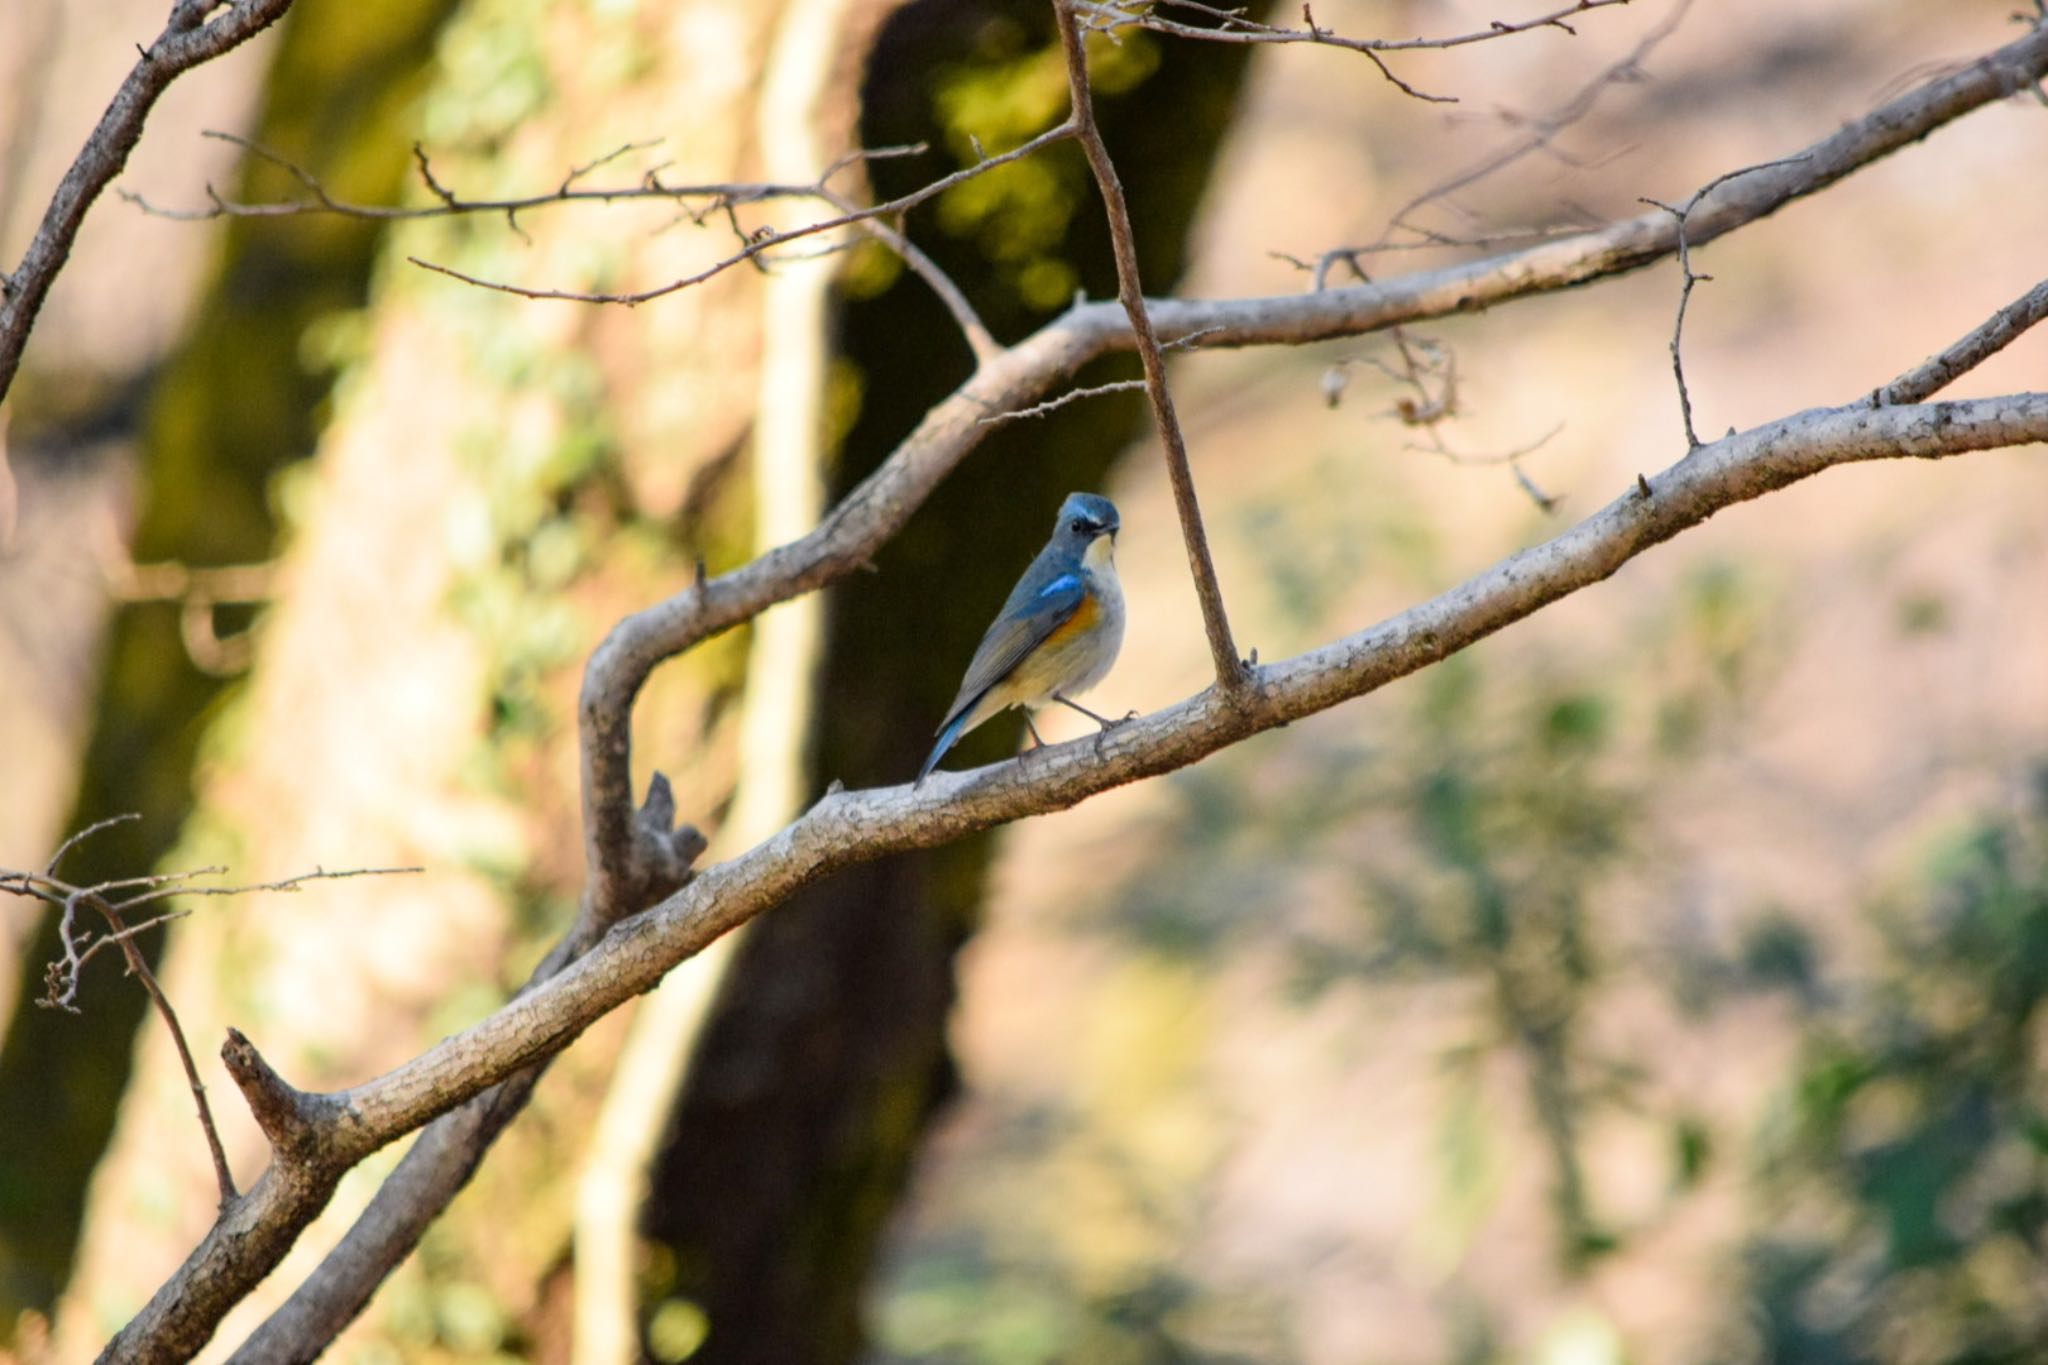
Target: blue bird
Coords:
[(1057, 634)]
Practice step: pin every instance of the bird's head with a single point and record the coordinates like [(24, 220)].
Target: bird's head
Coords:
[(1086, 518)]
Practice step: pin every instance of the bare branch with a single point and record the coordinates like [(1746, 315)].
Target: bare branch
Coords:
[(724, 198), (1231, 675), (318, 874), (449, 204), (1505, 457), (132, 931), (50, 870), (979, 339), (61, 979), (138, 967), (185, 43), (1999, 331), (759, 243), (1070, 396), (1109, 16), (1541, 137), (1689, 279), (287, 1116), (432, 1172)]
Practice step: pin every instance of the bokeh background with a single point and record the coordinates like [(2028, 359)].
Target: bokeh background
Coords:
[(1658, 981)]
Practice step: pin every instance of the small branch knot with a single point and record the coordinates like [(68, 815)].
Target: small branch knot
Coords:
[(665, 853), (281, 1111)]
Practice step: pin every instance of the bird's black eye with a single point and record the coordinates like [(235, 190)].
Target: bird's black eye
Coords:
[(1077, 525)]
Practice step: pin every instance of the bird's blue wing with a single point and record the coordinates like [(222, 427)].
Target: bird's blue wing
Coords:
[(1026, 622)]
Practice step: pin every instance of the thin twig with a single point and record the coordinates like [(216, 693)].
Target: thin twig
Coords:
[(132, 931), (138, 967), (63, 976), (1542, 136), (1232, 677), (1677, 345), (1070, 396), (759, 243), (1428, 410), (289, 884), (1998, 331), (1233, 27), (979, 339), (449, 204), (1493, 461), (94, 828), (1681, 216), (725, 198), (1179, 343)]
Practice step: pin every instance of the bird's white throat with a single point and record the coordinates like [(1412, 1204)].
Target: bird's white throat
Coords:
[(1097, 558)]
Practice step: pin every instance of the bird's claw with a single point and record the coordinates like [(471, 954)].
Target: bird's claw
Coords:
[(1107, 725)]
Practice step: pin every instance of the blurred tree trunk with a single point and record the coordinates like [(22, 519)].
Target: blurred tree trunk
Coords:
[(118, 384), (824, 1061), (805, 120), (502, 478)]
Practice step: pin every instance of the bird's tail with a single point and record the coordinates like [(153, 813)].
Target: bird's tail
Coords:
[(948, 737)]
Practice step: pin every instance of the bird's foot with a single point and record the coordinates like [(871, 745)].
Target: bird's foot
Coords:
[(1104, 722), (1108, 725)]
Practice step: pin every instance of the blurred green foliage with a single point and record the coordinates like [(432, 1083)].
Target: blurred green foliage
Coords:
[(1903, 1189)]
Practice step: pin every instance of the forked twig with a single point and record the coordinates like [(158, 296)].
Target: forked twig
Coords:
[(78, 947), (1680, 215), (758, 243)]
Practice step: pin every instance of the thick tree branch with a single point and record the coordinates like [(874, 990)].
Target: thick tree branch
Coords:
[(431, 1174), (1230, 670), (441, 1162), (184, 44)]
